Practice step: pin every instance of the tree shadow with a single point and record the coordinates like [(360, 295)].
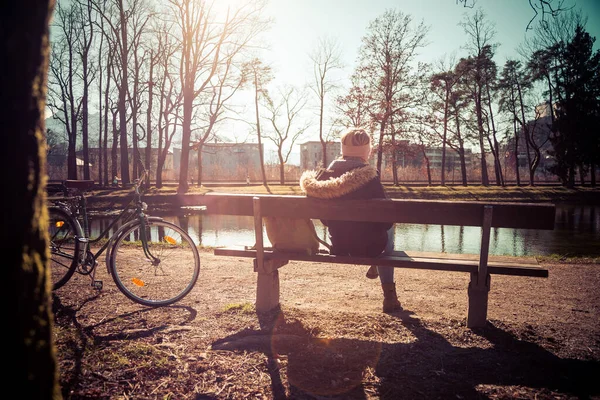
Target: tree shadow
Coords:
[(425, 367), (66, 316), (435, 366)]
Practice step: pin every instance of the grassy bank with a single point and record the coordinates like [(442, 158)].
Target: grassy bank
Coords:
[(584, 195)]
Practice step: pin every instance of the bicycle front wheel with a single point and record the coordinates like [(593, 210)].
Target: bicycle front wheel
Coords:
[(63, 231), (159, 274)]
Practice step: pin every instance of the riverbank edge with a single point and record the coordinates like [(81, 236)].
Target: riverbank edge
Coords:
[(169, 199)]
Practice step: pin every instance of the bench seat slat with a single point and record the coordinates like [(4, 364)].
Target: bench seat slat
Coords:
[(459, 263)]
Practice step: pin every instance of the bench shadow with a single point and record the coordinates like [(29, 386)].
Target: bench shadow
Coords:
[(421, 368)]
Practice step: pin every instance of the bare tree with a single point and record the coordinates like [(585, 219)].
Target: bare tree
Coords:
[(138, 22), (104, 146), (117, 15), (354, 106), (545, 10), (169, 101), (84, 45), (325, 58), (490, 81), (208, 39), (386, 58), (224, 85), (154, 59), (102, 178), (425, 140), (260, 75), (545, 69), (283, 115), (64, 96), (480, 34), (509, 103), (443, 87)]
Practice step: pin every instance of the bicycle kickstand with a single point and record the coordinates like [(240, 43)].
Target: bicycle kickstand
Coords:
[(96, 283)]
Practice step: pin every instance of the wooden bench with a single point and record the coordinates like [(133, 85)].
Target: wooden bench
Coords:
[(480, 266)]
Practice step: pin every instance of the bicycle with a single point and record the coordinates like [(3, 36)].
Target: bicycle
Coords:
[(153, 262)]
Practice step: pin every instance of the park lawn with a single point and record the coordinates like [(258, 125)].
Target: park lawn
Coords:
[(456, 193), (544, 193)]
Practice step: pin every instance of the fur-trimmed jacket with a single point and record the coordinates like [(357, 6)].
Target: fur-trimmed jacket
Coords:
[(343, 180)]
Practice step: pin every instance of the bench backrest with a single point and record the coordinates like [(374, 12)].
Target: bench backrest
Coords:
[(436, 212)]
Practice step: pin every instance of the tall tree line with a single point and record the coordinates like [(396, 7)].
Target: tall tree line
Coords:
[(543, 105), (161, 72)]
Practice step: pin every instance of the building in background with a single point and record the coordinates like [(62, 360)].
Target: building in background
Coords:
[(434, 154), (224, 161), (311, 153), (57, 163)]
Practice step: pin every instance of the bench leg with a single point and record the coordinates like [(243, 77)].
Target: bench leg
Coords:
[(267, 285), (267, 291), (478, 303)]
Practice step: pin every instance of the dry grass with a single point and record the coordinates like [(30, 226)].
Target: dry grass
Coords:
[(330, 339), (457, 193)]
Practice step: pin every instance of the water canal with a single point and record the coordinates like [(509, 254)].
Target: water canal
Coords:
[(576, 233)]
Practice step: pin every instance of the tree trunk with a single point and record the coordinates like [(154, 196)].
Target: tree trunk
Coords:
[(148, 155), (444, 138), (395, 170), (484, 173), (323, 141), (134, 143), (71, 152), (461, 151), (260, 152), (324, 147), (161, 132), (23, 78), (518, 175), (106, 110), (134, 117), (429, 183), (463, 165), (571, 176), (122, 94), (85, 122), (581, 174), (72, 130), (494, 145), (115, 147), (281, 167), (529, 142), (200, 146), (100, 159), (184, 162), (380, 147), (484, 176)]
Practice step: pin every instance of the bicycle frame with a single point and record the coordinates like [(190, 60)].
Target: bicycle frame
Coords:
[(87, 260)]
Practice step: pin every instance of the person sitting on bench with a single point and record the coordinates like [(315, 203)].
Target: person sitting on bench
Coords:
[(351, 177)]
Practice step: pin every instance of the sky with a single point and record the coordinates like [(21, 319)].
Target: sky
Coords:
[(299, 24)]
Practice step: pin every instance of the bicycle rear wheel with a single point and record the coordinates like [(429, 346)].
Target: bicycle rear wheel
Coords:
[(63, 231), (164, 275)]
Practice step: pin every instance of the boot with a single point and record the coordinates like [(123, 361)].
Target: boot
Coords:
[(390, 299), (372, 273)]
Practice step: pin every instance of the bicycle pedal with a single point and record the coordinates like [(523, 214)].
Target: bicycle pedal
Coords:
[(97, 285)]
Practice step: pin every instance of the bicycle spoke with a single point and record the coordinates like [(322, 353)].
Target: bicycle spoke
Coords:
[(158, 281)]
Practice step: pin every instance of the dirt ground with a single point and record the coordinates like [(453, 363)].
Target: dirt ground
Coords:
[(330, 339)]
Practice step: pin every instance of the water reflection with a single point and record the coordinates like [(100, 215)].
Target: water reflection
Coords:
[(577, 232)]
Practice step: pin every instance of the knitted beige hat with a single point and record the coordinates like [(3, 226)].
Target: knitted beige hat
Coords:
[(356, 142)]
